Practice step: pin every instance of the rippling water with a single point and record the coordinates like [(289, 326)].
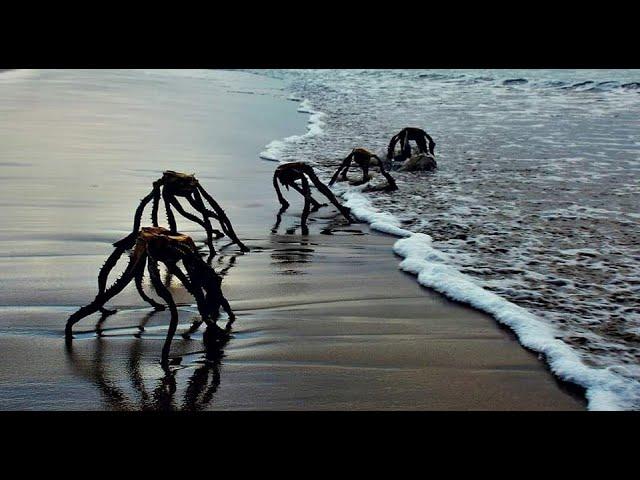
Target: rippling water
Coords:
[(537, 195)]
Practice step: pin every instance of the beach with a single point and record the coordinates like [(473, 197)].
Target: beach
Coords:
[(325, 321)]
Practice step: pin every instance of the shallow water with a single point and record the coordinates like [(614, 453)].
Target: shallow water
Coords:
[(536, 196)]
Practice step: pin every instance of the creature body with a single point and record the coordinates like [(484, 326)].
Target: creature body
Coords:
[(404, 136), (420, 162), (288, 173), (151, 246), (363, 158), (173, 185)]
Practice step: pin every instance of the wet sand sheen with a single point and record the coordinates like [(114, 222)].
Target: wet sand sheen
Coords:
[(324, 321)]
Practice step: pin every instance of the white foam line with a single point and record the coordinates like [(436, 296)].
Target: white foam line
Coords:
[(273, 151), (606, 388)]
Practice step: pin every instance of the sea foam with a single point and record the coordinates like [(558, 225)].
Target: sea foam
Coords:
[(274, 150), (607, 388)]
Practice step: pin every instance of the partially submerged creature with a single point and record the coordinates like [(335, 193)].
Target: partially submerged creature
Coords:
[(364, 159), (420, 162), (288, 173), (404, 136), (173, 185), (151, 246)]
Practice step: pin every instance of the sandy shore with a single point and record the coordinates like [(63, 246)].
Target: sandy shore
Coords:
[(325, 321)]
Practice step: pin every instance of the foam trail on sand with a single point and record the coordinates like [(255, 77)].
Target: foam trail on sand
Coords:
[(273, 150), (607, 388)]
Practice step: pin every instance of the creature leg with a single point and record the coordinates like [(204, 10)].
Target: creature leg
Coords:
[(196, 292), (227, 308), (344, 168), (137, 218), (193, 328), (224, 220), (210, 282), (138, 278), (314, 202), (432, 144), (197, 203), (274, 229), (305, 210), (422, 145), (140, 209), (104, 297), (154, 273), (200, 208), (184, 213), (170, 217), (327, 193), (156, 202), (392, 146), (365, 173), (337, 174), (392, 182), (281, 199), (405, 148), (104, 274), (206, 225)]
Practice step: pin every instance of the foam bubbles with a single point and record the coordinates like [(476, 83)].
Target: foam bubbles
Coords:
[(532, 215), (274, 150)]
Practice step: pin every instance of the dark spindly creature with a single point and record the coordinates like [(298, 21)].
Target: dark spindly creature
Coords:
[(288, 174), (404, 137), (173, 185), (364, 159), (151, 246)]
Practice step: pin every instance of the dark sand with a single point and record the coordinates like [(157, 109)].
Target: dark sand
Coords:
[(324, 321)]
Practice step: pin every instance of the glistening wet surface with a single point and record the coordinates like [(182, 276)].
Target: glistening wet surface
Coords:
[(536, 195)]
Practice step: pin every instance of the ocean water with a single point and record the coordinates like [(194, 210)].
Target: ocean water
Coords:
[(533, 214)]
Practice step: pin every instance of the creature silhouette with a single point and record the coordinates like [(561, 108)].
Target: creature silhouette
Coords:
[(287, 174), (151, 246), (173, 185), (363, 158), (404, 136)]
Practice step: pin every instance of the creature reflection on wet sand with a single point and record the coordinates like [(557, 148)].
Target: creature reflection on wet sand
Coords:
[(288, 174), (151, 246), (173, 185), (198, 393), (290, 257)]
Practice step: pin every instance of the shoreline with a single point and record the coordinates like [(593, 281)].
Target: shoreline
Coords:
[(324, 321)]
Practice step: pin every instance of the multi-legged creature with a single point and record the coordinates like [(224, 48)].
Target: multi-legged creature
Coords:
[(173, 185), (404, 136), (151, 246), (288, 173), (363, 158)]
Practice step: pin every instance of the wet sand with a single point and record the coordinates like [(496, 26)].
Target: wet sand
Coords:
[(324, 321)]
